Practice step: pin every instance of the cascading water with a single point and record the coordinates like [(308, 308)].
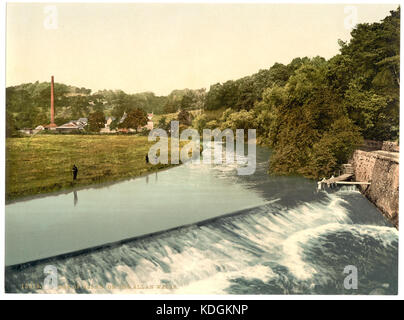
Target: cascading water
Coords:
[(297, 241)]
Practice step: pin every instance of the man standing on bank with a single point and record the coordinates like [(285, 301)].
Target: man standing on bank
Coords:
[(75, 170)]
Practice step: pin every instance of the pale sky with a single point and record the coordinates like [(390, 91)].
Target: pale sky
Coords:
[(162, 47)]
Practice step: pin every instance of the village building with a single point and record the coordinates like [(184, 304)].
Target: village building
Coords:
[(73, 126), (109, 121), (107, 128), (149, 125), (28, 131)]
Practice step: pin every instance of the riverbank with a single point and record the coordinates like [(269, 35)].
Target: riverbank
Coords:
[(43, 163)]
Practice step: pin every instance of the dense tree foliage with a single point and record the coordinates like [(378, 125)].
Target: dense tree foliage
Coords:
[(308, 118), (134, 119), (366, 75), (243, 93), (96, 121), (186, 99), (184, 117), (11, 129), (163, 123), (314, 112)]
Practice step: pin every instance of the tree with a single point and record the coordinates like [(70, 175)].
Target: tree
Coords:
[(229, 94), (163, 123), (334, 148), (135, 119), (121, 103), (79, 106), (184, 117), (199, 122), (366, 76), (213, 99), (41, 118), (310, 131), (239, 120), (187, 100), (246, 96), (170, 107), (11, 129), (96, 121)]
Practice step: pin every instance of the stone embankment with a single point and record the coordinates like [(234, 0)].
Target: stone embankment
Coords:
[(378, 163)]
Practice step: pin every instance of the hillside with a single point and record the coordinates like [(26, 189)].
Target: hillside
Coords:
[(27, 105)]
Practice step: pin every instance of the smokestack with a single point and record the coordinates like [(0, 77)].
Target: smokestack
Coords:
[(52, 104)]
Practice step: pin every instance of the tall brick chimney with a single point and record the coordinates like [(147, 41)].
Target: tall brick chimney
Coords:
[(52, 125), (52, 104)]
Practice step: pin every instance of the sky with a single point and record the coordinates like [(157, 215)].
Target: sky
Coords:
[(162, 47)]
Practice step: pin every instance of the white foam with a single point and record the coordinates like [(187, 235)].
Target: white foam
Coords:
[(211, 258)]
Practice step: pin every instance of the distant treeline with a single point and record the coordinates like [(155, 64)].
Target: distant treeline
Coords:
[(28, 105)]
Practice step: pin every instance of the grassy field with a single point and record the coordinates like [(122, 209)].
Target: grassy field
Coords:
[(43, 163)]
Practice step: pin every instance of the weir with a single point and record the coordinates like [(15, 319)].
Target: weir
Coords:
[(344, 178), (58, 225), (271, 242)]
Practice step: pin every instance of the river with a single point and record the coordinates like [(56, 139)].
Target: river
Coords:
[(212, 232)]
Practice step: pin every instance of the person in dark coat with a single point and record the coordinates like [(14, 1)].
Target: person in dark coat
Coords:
[(147, 158), (75, 170)]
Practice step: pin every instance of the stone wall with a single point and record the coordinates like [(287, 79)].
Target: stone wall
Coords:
[(370, 145), (381, 169), (390, 146)]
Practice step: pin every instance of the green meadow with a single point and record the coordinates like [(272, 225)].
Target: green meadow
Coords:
[(43, 163)]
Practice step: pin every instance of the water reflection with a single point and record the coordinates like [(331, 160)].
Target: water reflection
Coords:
[(76, 199), (149, 175)]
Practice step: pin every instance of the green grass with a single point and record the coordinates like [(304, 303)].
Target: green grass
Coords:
[(43, 163)]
